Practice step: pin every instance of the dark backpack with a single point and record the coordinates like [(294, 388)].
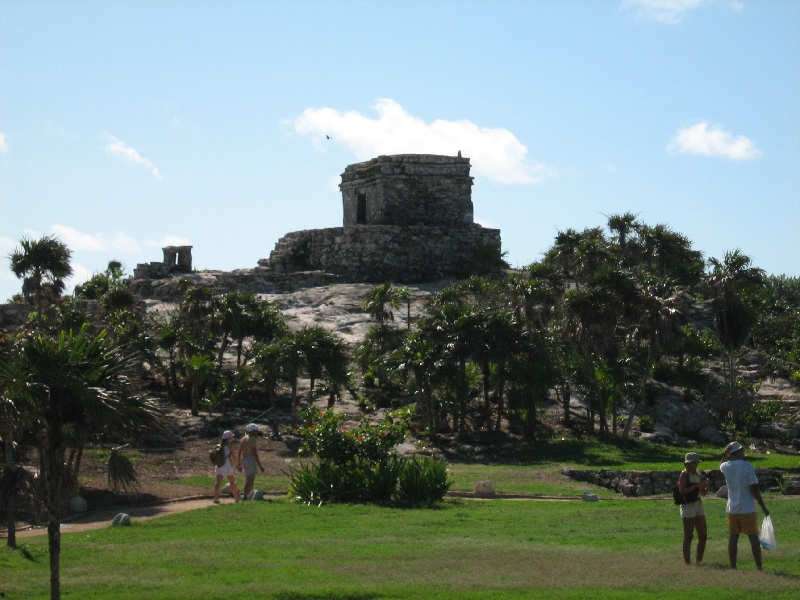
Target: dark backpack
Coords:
[(680, 499), (217, 455)]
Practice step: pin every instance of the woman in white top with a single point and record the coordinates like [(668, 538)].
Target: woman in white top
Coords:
[(691, 486), (227, 469)]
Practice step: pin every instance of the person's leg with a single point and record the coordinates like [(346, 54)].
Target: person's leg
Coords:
[(733, 544), (688, 532), (702, 536), (755, 545), (234, 491), (249, 481), (216, 489)]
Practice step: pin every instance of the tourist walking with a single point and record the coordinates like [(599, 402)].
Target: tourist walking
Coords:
[(227, 469), (743, 493), (248, 455), (691, 485)]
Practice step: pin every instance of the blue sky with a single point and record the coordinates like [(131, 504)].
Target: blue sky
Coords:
[(128, 125)]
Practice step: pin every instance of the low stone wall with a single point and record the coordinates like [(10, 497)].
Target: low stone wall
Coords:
[(260, 280), (378, 253), (650, 483), (13, 315)]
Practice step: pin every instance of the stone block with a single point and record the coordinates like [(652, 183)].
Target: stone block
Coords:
[(78, 504), (122, 520)]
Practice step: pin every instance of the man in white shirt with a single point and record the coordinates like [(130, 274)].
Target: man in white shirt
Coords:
[(743, 493)]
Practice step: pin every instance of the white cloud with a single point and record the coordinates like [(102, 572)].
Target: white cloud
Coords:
[(80, 274), (712, 141), (495, 153), (118, 148), (168, 240), (3, 144), (664, 11), (77, 240), (7, 245)]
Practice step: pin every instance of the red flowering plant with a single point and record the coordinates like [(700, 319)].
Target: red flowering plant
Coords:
[(327, 438)]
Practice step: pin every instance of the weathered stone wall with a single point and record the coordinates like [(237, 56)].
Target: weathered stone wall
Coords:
[(260, 280), (14, 315), (377, 253), (649, 483), (409, 189)]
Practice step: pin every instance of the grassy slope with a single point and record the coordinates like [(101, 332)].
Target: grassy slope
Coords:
[(464, 549)]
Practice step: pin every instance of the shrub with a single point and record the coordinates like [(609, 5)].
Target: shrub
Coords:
[(423, 481), (357, 464), (647, 423)]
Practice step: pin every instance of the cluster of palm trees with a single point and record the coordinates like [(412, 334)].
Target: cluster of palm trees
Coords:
[(58, 388), (594, 317)]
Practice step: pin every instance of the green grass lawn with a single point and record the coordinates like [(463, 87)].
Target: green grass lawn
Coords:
[(535, 470), (462, 549)]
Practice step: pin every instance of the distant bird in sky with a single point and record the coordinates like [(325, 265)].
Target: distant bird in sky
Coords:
[(327, 136)]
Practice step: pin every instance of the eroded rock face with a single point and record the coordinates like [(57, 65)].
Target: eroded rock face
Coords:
[(686, 419)]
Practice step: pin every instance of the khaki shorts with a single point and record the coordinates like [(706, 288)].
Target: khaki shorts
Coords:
[(249, 464), (743, 523), (692, 510)]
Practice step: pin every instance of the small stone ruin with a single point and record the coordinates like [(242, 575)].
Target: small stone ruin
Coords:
[(177, 260)]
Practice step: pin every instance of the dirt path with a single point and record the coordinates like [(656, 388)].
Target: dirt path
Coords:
[(100, 519)]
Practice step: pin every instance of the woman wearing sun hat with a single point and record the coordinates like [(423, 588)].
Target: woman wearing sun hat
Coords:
[(692, 485), (226, 470)]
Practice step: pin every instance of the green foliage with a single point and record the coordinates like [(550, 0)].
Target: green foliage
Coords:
[(759, 413), (326, 439), (357, 464), (646, 423), (121, 472), (423, 481)]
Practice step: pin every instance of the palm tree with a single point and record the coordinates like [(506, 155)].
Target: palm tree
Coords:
[(731, 281), (74, 380), (200, 370), (43, 265), (419, 356), (662, 305), (378, 299)]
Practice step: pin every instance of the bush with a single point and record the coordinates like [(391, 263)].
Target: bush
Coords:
[(357, 464), (647, 424), (423, 481)]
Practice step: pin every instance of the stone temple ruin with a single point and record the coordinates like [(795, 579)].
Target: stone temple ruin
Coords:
[(407, 218), (177, 259)]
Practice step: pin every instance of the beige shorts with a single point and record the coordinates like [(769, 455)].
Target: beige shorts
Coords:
[(692, 510), (743, 523), (249, 464)]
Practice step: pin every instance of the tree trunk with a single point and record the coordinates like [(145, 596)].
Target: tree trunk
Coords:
[(501, 389), (222, 347), (54, 458), (11, 522), (566, 397), (462, 395), (195, 398), (486, 406), (613, 418), (294, 402), (239, 353), (643, 390)]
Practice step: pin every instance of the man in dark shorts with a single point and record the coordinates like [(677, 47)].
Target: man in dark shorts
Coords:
[(248, 457), (743, 493)]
